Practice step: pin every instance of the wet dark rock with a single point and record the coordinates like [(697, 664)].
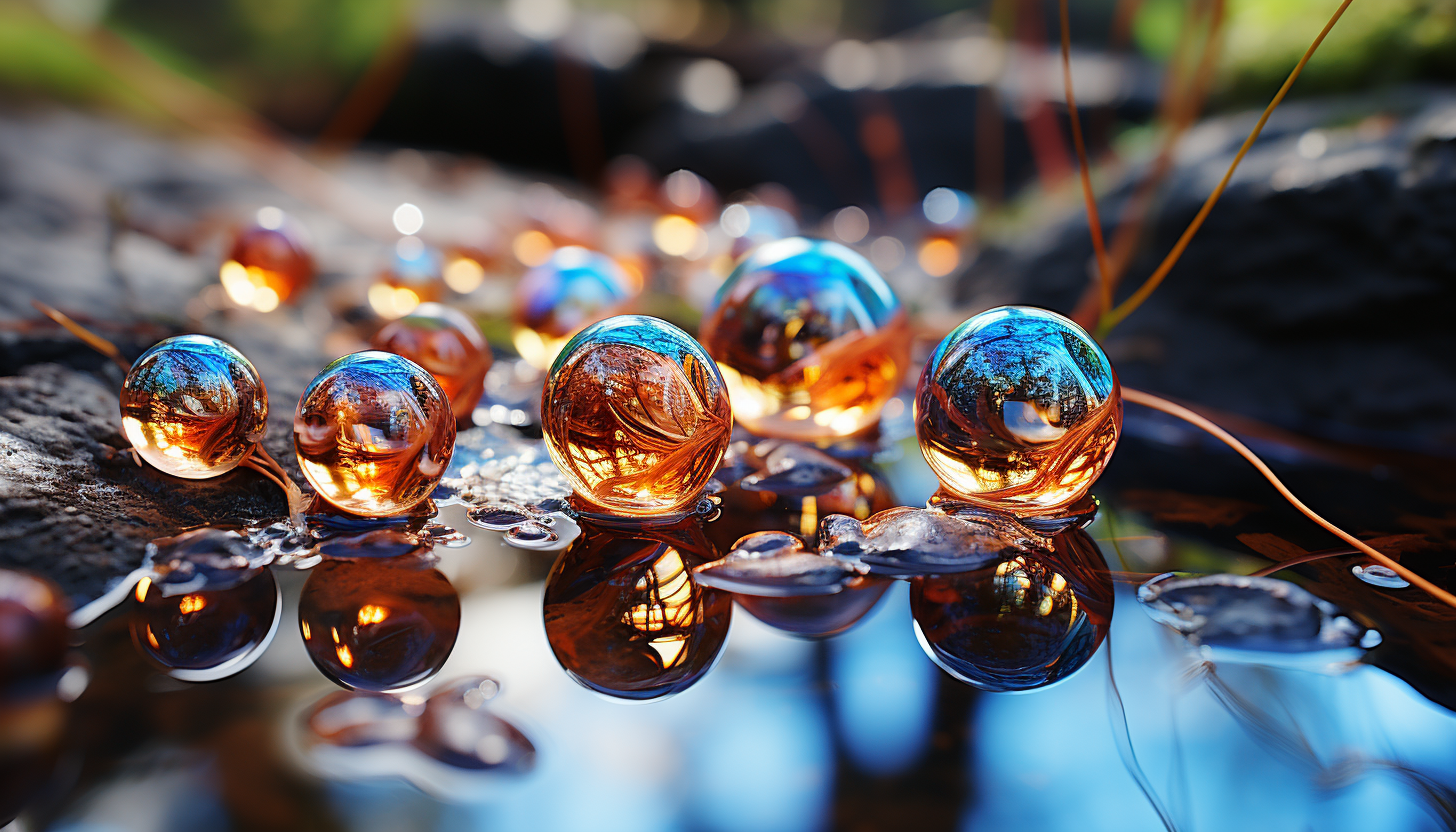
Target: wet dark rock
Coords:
[(1319, 293)]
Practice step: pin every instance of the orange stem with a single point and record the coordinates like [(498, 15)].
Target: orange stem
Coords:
[(1116, 316), (94, 341), (1104, 273), (1165, 406), (297, 503)]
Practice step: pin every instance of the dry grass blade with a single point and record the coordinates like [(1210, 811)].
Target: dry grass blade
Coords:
[(94, 341), (1122, 310), (1165, 406), (1104, 273)]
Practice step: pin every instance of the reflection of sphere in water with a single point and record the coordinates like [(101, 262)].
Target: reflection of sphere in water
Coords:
[(374, 433), (33, 631), (811, 340), (576, 287), (193, 406), (817, 616), (266, 265), (459, 729), (211, 632), (379, 625), (625, 618), (636, 416), (1024, 623), (448, 345), (1018, 410)]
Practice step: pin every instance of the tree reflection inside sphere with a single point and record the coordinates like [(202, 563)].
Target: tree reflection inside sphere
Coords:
[(208, 633), (448, 345), (811, 340), (624, 616), (193, 407), (379, 624), (374, 433), (1024, 623), (1018, 410), (574, 288), (636, 416)]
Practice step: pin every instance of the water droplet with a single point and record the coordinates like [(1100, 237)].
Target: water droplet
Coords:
[(1377, 575), (911, 541), (531, 535), (497, 517)]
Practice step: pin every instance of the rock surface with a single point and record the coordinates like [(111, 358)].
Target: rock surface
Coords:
[(1319, 294)]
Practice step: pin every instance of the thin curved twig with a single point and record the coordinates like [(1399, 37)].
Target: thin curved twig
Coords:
[(1106, 323), (1165, 406), (1094, 220)]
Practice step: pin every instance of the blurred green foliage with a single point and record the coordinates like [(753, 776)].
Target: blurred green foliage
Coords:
[(1376, 42)]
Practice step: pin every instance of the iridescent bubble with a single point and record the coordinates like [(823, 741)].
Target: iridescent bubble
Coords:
[(193, 406), (1023, 623), (624, 616), (448, 344), (811, 340), (574, 288), (636, 416), (1018, 410), (374, 433), (379, 624)]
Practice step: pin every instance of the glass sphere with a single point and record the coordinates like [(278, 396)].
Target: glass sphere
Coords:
[(415, 274), (268, 263), (1018, 410), (208, 633), (379, 624), (374, 433), (193, 407), (625, 617), (636, 416), (447, 344), (574, 288), (811, 340), (34, 636), (1021, 624)]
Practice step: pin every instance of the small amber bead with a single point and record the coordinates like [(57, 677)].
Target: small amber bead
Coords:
[(33, 633), (446, 343), (636, 416), (193, 406), (811, 340), (267, 264), (572, 289), (374, 433), (1018, 410)]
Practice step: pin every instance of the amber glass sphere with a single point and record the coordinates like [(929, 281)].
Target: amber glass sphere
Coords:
[(625, 617), (1018, 410), (384, 624), (33, 632), (574, 288), (268, 263), (374, 433), (636, 416), (1024, 623), (811, 340), (446, 343), (193, 407)]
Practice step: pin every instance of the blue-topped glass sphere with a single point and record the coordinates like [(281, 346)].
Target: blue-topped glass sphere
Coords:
[(636, 416), (374, 433), (810, 338), (574, 288), (193, 406), (1018, 410)]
